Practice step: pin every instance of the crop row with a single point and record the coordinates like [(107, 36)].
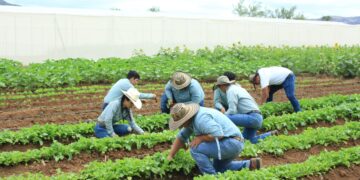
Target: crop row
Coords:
[(157, 165), (49, 92), (313, 165), (59, 151), (158, 122), (338, 61)]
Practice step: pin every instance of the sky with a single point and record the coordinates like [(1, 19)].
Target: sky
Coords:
[(222, 8)]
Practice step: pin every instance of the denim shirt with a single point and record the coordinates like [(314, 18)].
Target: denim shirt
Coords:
[(240, 101), (123, 84), (208, 121), (192, 93), (220, 99), (115, 112)]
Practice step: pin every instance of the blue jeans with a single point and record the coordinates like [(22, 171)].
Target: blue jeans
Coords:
[(119, 129), (164, 107), (251, 123), (289, 87), (230, 149)]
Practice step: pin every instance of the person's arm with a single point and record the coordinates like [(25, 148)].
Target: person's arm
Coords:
[(196, 92), (217, 101), (264, 94), (176, 146), (209, 131), (147, 96), (107, 117), (181, 138), (168, 92), (264, 84), (232, 102), (133, 124)]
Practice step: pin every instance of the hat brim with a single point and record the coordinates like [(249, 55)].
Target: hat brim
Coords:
[(137, 103), (194, 108), (222, 83), (182, 86)]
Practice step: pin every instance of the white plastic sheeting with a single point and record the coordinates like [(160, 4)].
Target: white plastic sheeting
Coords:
[(30, 35)]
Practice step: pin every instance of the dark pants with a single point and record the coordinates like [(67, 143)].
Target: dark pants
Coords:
[(164, 107), (289, 87)]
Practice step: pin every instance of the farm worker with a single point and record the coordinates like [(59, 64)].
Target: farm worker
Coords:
[(220, 100), (272, 79), (216, 137), (181, 89), (243, 110), (124, 84), (116, 110)]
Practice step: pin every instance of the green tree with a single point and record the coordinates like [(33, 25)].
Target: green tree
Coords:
[(326, 18), (154, 9), (256, 9)]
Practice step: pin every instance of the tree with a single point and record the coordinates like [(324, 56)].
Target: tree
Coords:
[(284, 13), (326, 18), (256, 9), (154, 9)]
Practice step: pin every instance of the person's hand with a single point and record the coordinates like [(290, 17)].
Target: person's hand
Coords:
[(196, 141), (223, 110), (170, 103)]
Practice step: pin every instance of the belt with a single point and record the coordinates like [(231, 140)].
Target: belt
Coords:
[(254, 111), (237, 138)]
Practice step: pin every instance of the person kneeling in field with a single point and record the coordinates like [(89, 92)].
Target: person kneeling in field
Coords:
[(220, 99), (117, 110), (216, 137), (243, 110), (181, 89), (124, 84)]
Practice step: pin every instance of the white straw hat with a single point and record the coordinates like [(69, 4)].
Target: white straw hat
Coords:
[(133, 94)]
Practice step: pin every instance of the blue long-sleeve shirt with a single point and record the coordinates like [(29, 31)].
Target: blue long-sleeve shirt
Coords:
[(115, 112), (208, 121), (123, 84), (220, 99), (192, 93), (240, 101)]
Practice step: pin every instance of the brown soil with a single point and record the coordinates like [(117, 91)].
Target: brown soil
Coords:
[(341, 172), (49, 167), (296, 156)]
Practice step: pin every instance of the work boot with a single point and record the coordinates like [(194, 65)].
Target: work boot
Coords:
[(255, 164)]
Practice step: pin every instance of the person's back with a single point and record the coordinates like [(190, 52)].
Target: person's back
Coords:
[(273, 75), (227, 126), (115, 91), (240, 101)]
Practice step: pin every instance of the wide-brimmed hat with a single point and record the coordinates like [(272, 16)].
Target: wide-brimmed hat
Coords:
[(252, 78), (223, 80), (181, 113), (133, 94), (180, 80)]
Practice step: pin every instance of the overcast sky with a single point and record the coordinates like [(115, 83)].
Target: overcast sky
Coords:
[(222, 8)]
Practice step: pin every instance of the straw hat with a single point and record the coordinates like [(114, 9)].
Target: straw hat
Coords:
[(223, 80), (133, 94), (180, 80), (181, 113)]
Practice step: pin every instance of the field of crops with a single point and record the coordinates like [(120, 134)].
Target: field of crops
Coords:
[(46, 123)]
